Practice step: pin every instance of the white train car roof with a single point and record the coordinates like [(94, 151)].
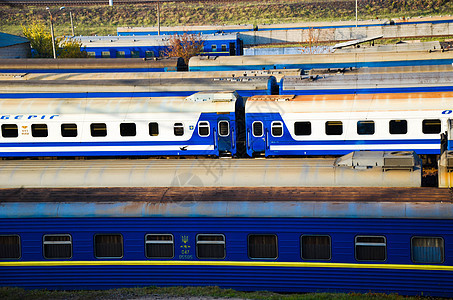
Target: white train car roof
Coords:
[(199, 102), (349, 103), (368, 81), (277, 73)]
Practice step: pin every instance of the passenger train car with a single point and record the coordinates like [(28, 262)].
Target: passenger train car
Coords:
[(388, 240), (335, 124), (201, 124), (154, 46), (220, 123)]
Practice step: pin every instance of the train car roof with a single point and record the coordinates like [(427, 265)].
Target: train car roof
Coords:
[(138, 85), (89, 63), (201, 102), (264, 202), (201, 172), (351, 102), (368, 81)]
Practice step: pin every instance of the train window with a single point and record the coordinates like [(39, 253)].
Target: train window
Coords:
[(39, 130), (9, 131), (431, 126), (224, 128), (9, 247), (210, 246), (108, 246), (365, 127), (57, 246), (262, 246), (257, 128), (153, 129), (214, 48), (203, 128), (135, 54), (277, 128), (128, 129), (68, 130), (224, 47), (120, 54), (334, 128), (91, 54), (105, 54), (98, 129), (178, 129), (315, 247), (159, 246), (398, 127), (149, 54), (427, 249), (370, 248), (302, 128)]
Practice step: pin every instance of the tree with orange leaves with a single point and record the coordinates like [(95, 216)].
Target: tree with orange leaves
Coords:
[(185, 46)]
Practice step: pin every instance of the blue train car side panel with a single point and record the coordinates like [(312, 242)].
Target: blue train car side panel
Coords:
[(288, 271)]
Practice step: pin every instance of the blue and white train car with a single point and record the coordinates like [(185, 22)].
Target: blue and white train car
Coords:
[(322, 241), (201, 124), (335, 124)]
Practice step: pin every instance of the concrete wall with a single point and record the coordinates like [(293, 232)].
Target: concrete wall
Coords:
[(344, 34), (16, 51)]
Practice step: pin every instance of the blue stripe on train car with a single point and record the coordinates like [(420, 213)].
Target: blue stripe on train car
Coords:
[(82, 70), (287, 272)]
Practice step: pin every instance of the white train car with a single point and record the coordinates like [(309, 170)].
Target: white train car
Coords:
[(337, 124), (201, 124)]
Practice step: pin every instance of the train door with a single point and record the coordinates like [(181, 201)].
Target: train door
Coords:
[(225, 136), (256, 137)]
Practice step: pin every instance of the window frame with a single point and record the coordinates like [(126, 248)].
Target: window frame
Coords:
[(396, 121), (172, 242), (316, 235), (427, 237), (123, 128), (65, 130), (431, 120), (370, 244), (278, 124), (35, 130), (19, 244), (108, 257), (253, 128), (150, 131), (228, 127), (306, 122), (197, 243), (93, 129), (204, 125), (327, 125), (263, 234), (10, 137), (361, 131), (175, 126), (44, 242)]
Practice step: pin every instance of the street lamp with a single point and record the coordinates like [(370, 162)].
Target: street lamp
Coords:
[(70, 16), (51, 32)]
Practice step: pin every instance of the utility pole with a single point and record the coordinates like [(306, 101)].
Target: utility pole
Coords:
[(72, 24), (51, 32), (356, 19), (158, 18)]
